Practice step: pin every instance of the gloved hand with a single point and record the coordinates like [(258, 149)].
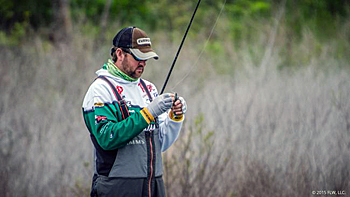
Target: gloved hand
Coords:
[(160, 104)]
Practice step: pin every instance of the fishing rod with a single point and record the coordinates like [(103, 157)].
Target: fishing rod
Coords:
[(178, 51)]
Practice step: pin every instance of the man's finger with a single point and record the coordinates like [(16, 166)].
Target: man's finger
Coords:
[(177, 102)]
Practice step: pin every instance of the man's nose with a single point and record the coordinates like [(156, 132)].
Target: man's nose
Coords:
[(143, 62)]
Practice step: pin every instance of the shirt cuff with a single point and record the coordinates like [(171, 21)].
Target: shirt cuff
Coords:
[(147, 115), (176, 118)]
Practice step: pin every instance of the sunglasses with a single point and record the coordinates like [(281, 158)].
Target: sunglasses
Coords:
[(126, 50)]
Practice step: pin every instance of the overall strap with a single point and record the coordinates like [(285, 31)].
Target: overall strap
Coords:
[(122, 105), (146, 89)]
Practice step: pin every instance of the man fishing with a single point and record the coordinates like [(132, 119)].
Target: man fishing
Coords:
[(129, 123)]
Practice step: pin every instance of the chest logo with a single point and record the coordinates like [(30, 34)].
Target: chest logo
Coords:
[(120, 89), (149, 87)]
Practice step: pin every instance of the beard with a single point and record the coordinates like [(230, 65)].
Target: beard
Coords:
[(130, 71)]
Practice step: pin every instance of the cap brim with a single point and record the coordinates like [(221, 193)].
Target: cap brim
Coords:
[(144, 56)]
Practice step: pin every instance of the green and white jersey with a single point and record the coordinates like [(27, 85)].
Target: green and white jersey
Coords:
[(110, 133), (101, 113)]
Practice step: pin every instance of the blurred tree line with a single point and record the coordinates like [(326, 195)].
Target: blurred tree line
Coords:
[(18, 17)]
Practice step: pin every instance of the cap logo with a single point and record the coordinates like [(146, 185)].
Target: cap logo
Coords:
[(144, 41)]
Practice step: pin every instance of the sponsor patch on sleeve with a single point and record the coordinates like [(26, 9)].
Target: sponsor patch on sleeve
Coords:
[(99, 104), (99, 119)]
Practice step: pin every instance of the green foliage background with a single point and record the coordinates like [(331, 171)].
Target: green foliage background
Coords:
[(172, 15), (241, 22)]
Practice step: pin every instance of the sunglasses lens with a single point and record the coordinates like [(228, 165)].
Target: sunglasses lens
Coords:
[(128, 51)]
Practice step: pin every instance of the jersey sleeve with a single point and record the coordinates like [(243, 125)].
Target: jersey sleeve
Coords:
[(169, 128)]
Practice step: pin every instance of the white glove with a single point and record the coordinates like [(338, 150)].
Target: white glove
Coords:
[(160, 104)]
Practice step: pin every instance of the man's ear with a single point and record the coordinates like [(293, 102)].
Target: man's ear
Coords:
[(120, 54)]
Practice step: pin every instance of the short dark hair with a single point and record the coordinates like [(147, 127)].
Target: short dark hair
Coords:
[(113, 54)]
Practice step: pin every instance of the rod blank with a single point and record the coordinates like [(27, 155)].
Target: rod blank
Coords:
[(178, 51)]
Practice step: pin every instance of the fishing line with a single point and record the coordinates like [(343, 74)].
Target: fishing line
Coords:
[(203, 49)]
